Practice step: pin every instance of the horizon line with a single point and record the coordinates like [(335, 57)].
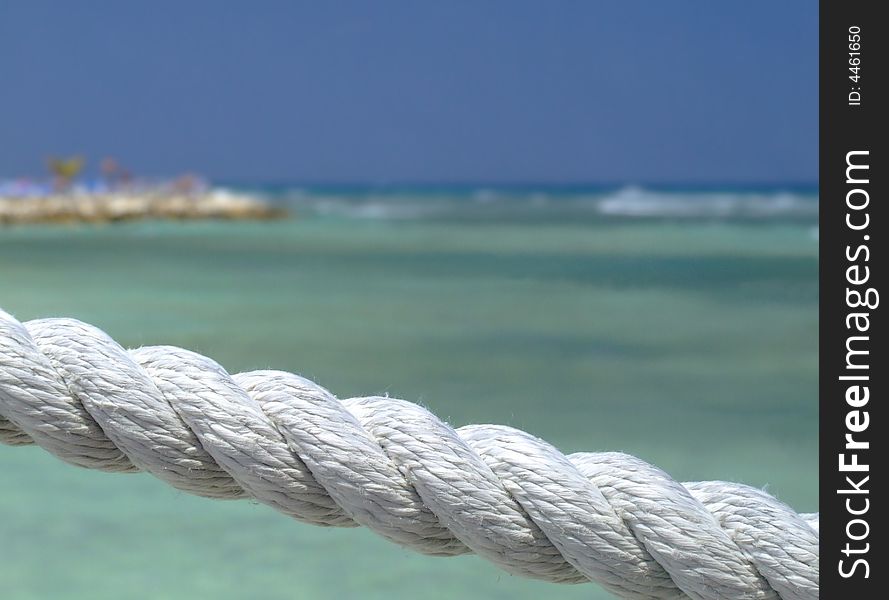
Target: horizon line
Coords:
[(511, 183)]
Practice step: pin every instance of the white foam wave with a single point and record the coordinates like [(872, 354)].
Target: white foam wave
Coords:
[(639, 202), (629, 202)]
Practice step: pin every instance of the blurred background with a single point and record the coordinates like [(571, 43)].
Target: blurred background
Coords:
[(593, 221)]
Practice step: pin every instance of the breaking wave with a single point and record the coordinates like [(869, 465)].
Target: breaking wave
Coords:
[(627, 203), (639, 202)]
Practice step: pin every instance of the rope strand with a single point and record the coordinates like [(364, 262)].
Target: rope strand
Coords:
[(394, 467)]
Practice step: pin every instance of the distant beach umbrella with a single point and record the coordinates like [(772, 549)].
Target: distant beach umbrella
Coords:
[(65, 170)]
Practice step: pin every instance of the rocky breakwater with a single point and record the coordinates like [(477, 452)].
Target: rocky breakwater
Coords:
[(111, 207)]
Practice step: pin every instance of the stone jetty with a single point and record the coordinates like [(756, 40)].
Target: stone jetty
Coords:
[(119, 206)]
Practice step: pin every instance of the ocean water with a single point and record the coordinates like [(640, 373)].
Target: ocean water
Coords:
[(679, 325), (535, 203)]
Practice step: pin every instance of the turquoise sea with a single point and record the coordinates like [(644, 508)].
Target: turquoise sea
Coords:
[(676, 324)]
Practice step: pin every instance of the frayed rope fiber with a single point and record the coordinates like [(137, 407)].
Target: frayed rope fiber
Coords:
[(394, 467)]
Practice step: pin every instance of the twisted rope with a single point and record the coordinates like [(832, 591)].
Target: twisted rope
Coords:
[(394, 467)]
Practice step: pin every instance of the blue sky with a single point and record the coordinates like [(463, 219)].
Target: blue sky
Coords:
[(622, 91)]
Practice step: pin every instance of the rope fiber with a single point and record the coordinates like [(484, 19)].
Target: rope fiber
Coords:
[(394, 467)]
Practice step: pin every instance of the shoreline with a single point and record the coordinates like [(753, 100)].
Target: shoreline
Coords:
[(122, 206)]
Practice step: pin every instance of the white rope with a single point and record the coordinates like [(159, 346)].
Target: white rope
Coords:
[(394, 467)]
